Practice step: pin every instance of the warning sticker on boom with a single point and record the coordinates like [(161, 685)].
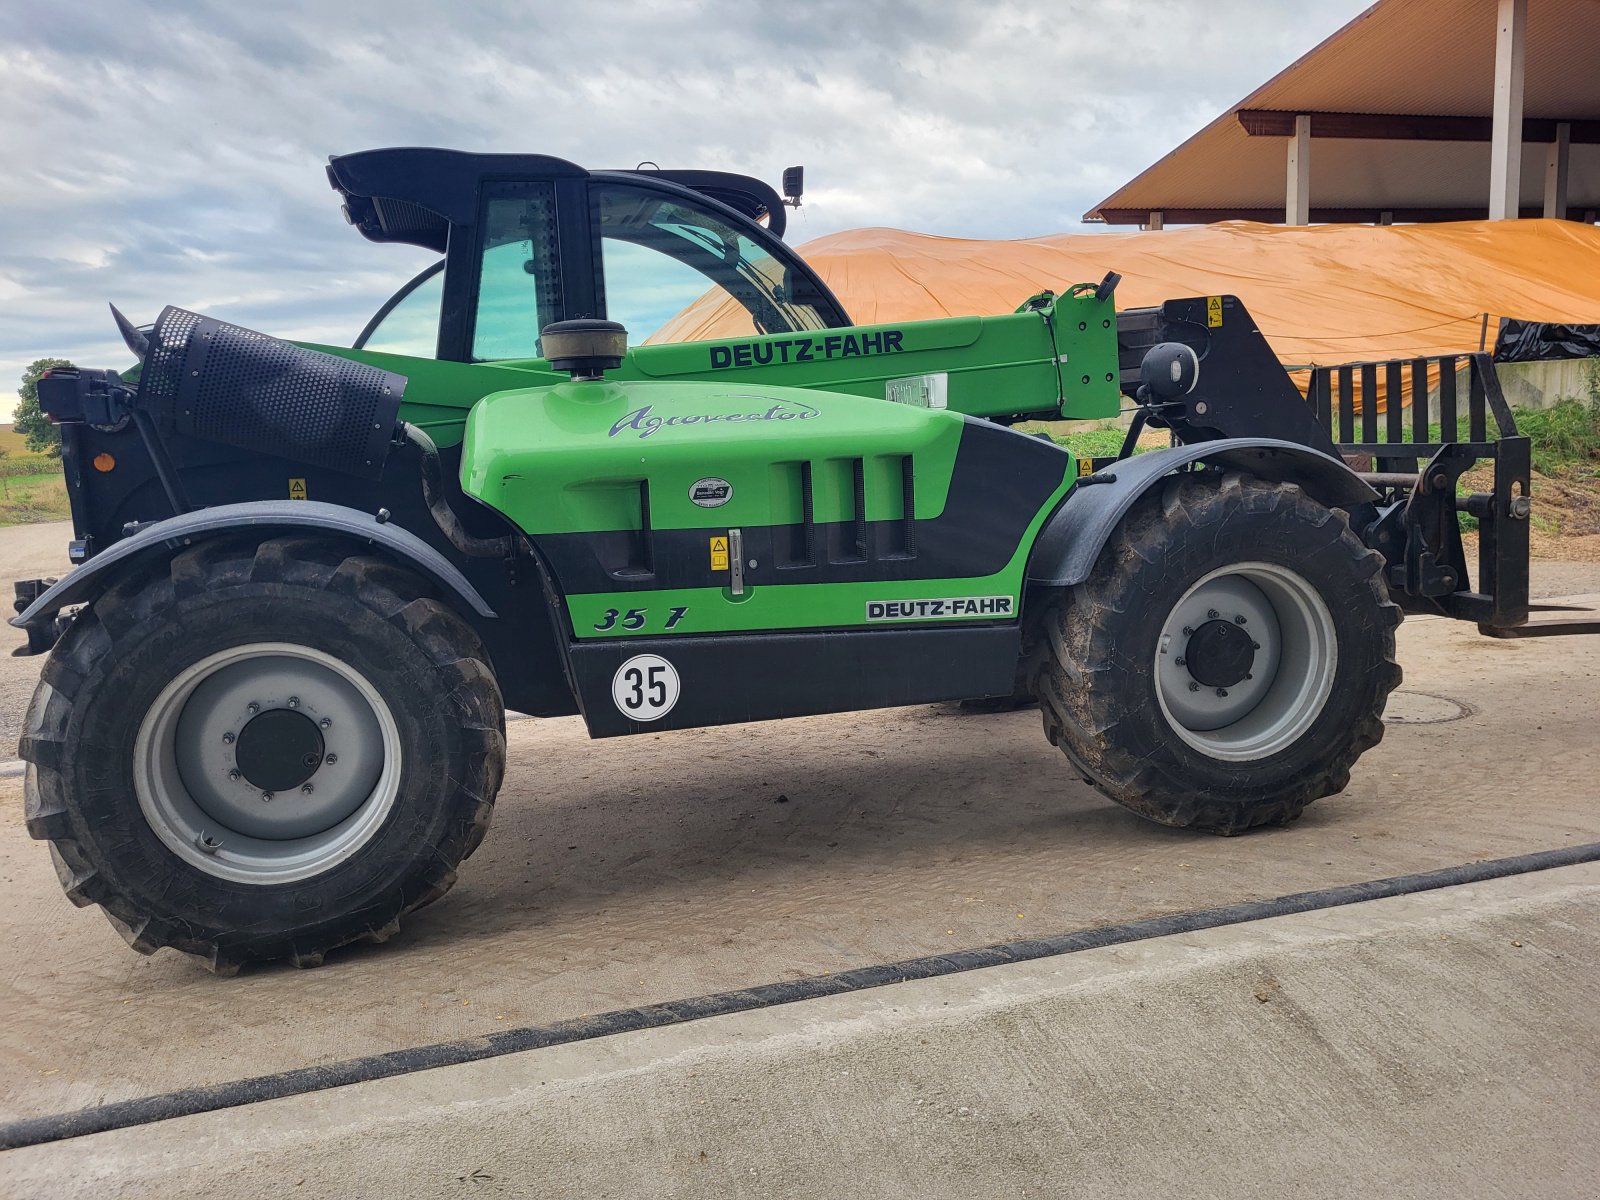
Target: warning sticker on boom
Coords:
[(1214, 312), (937, 610), (919, 391), (297, 489)]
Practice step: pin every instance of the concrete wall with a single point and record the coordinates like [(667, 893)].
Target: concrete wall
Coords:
[(1541, 384)]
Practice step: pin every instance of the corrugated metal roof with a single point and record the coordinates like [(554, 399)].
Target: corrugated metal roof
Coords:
[(1405, 57)]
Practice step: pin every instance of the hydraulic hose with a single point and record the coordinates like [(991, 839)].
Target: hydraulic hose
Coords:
[(439, 505)]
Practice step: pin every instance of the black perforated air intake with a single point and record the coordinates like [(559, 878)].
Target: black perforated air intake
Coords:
[(212, 380)]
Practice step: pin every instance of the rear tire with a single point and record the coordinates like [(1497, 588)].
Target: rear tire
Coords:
[(1228, 660), (263, 750)]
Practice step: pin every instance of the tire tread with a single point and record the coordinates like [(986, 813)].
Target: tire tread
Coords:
[(389, 591), (1078, 684)]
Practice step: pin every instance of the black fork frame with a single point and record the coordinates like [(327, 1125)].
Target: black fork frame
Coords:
[(1243, 391), (1415, 525)]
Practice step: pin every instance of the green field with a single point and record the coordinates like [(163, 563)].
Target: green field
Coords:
[(12, 443), (31, 488), (25, 499)]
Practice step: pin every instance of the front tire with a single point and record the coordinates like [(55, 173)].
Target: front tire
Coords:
[(263, 750), (1228, 660)]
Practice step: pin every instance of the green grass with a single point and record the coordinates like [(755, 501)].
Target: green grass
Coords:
[(25, 499), (1564, 438), (31, 486), (1103, 441)]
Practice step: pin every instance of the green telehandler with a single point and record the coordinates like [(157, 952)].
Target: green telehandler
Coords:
[(310, 580)]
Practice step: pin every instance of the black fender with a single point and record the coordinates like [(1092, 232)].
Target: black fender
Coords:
[(1065, 551), (166, 537)]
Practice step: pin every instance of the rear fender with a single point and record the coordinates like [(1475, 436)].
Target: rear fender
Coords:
[(1070, 542), (165, 538)]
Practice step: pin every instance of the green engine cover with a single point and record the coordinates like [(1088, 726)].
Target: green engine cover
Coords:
[(679, 508), (763, 483)]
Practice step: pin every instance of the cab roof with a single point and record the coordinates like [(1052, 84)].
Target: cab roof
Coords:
[(413, 194)]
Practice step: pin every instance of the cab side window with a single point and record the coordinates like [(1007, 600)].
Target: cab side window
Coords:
[(519, 276), (677, 271), (646, 290)]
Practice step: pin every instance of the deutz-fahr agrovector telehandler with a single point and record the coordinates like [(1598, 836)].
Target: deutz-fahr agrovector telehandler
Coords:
[(310, 580)]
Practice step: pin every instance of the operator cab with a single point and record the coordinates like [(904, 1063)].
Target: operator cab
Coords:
[(530, 240)]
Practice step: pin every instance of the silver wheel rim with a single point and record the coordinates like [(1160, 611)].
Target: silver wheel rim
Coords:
[(203, 738), (1288, 661)]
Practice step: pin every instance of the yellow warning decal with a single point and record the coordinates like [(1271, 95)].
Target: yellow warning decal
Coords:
[(1214, 312), (297, 489), (719, 554)]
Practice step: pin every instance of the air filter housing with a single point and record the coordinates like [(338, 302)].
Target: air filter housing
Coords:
[(218, 382)]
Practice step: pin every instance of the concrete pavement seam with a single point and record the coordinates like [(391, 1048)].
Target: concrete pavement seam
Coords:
[(210, 1098)]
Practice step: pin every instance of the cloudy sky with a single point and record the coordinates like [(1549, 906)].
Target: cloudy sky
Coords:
[(162, 153)]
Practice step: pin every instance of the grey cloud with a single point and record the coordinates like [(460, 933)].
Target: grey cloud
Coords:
[(163, 152)]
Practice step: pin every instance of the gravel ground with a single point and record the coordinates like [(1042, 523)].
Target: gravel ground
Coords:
[(635, 870)]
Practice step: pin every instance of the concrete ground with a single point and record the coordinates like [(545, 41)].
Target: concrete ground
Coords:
[(1439, 1045), (636, 870), (26, 552)]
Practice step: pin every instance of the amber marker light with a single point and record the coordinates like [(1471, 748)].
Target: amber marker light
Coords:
[(104, 462)]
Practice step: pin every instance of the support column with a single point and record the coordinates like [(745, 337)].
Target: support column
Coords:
[(1297, 201), (1555, 173), (1156, 220), (1505, 155)]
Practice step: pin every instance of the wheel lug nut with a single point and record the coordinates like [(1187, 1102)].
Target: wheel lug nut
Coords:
[(266, 797), (1222, 691), (326, 722), (1238, 619), (331, 759), (294, 701), (234, 775), (1255, 645), (1183, 662), (1212, 613), (252, 708), (1194, 687), (306, 789), (1187, 632), (228, 738), (1247, 675)]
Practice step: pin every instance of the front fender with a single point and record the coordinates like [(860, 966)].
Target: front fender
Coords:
[(166, 537), (1070, 542)]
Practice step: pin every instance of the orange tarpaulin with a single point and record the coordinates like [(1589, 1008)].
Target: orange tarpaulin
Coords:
[(1321, 294)]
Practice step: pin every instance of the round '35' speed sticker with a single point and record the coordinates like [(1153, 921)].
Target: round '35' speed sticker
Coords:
[(645, 687)]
